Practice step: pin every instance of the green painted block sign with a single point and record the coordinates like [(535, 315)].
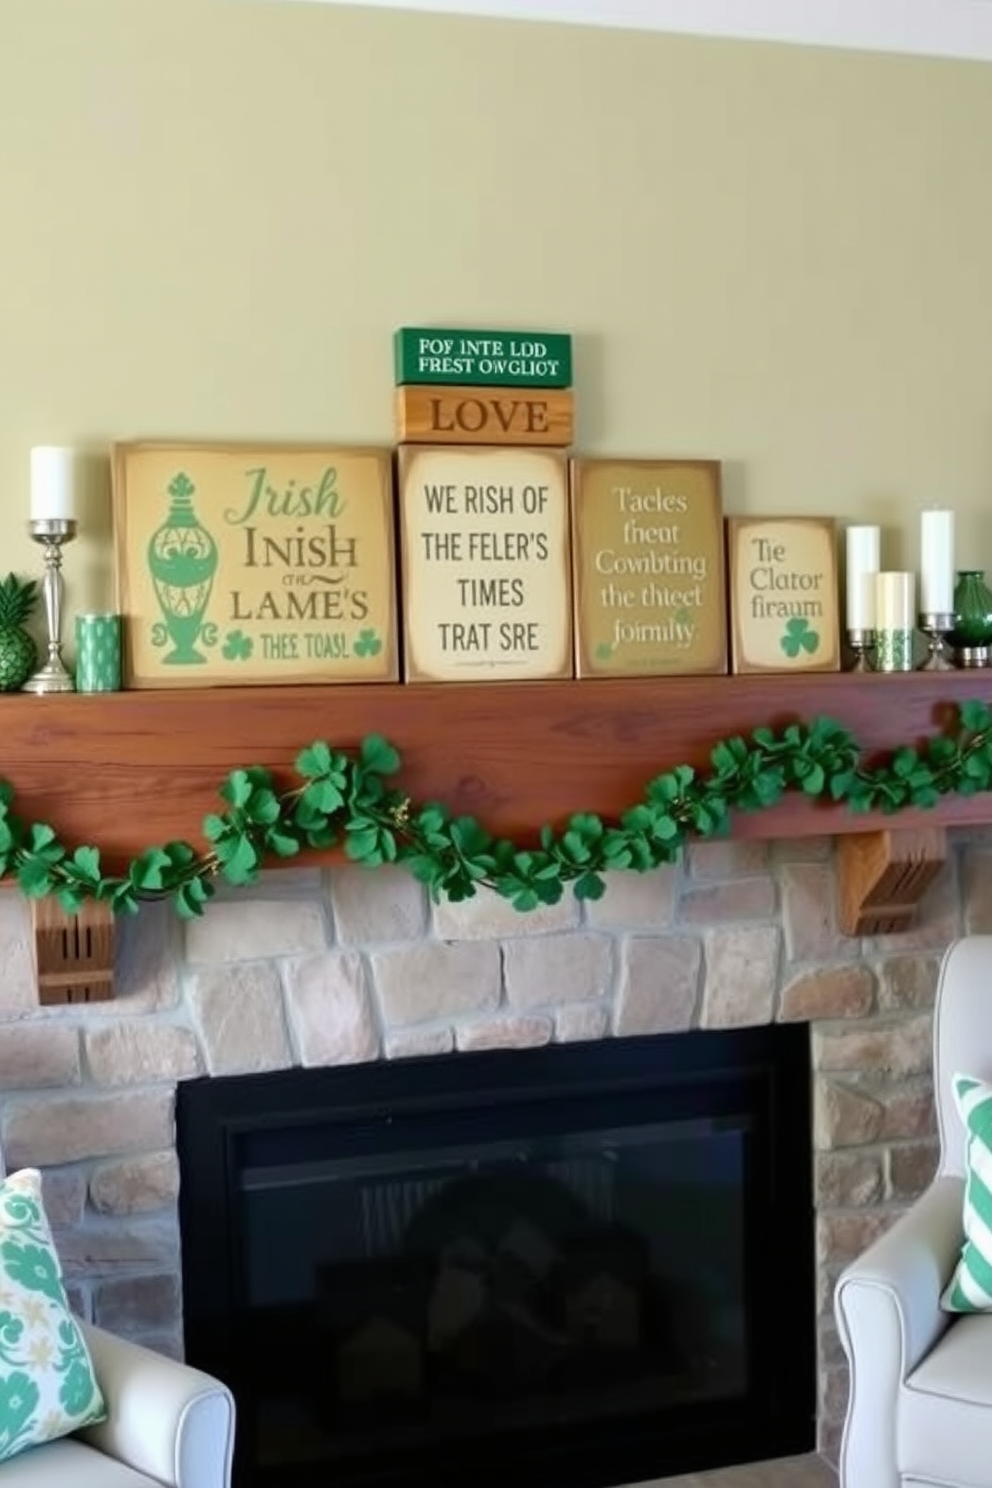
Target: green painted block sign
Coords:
[(483, 358)]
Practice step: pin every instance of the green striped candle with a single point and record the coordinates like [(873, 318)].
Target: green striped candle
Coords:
[(98, 653)]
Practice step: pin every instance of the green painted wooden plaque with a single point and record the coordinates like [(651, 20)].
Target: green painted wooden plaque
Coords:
[(483, 358)]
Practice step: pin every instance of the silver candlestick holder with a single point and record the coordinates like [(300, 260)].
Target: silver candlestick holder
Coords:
[(935, 625), (862, 643), (53, 533)]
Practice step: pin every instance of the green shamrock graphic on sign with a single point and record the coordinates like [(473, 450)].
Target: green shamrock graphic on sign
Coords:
[(237, 646), (604, 651), (367, 643), (799, 637)]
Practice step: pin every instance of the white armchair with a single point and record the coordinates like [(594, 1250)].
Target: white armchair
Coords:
[(920, 1408), (166, 1425)]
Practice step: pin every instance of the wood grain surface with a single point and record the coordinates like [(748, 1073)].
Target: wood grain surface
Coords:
[(126, 770), (481, 415)]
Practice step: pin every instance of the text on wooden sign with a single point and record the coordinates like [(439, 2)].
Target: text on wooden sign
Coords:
[(485, 563), (462, 415)]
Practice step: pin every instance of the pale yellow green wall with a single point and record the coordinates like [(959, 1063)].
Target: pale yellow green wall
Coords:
[(213, 213)]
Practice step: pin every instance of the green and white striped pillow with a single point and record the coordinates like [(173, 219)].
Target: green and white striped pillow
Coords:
[(970, 1289)]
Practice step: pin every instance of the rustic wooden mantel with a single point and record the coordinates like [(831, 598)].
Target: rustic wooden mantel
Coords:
[(125, 770)]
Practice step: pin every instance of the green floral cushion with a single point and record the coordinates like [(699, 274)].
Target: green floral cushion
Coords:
[(47, 1384)]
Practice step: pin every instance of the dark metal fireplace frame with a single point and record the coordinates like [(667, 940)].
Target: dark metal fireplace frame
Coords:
[(763, 1073)]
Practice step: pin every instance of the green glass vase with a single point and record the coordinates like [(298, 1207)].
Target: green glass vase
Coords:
[(972, 633)]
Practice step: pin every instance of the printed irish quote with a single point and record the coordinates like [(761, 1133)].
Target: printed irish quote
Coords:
[(648, 567), (238, 564), (484, 539)]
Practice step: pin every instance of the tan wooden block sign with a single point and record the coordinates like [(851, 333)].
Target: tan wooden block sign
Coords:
[(783, 594), (246, 563), (484, 415), (484, 544), (650, 597)]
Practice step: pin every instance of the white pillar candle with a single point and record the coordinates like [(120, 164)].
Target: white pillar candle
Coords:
[(862, 566), (937, 561), (895, 601), (53, 483)]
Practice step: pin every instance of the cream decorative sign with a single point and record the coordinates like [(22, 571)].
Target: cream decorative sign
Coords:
[(650, 597), (783, 584), (484, 541), (245, 564)]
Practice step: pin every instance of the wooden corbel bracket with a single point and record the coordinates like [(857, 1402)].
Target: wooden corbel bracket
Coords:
[(882, 876), (73, 953)]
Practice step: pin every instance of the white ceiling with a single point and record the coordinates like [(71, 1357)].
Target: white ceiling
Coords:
[(941, 28)]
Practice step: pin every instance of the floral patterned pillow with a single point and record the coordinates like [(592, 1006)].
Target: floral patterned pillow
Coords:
[(47, 1384)]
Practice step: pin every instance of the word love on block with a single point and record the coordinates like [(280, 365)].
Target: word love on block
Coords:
[(243, 564), (783, 594), (484, 544), (457, 415), (648, 568), (483, 358)]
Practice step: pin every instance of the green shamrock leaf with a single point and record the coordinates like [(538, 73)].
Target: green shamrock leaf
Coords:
[(237, 646), (683, 616), (367, 643), (604, 651), (799, 637)]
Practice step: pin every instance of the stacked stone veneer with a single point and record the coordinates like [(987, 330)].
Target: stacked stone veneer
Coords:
[(317, 969)]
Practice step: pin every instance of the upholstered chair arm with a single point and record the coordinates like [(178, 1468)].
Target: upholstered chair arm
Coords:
[(887, 1305), (166, 1420)]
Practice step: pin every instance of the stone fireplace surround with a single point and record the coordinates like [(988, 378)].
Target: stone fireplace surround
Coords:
[(312, 967)]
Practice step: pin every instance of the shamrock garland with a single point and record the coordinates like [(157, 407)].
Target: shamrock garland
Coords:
[(345, 798)]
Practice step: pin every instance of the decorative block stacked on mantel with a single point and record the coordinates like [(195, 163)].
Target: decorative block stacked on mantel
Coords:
[(483, 387), (484, 503)]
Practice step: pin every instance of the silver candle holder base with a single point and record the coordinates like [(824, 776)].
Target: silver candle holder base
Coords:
[(862, 643), (936, 626), (52, 533)]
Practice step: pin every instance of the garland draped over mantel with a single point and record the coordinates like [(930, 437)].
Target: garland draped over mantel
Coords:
[(344, 798)]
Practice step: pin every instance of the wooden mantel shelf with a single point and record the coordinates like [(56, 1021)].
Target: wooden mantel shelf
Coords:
[(126, 770)]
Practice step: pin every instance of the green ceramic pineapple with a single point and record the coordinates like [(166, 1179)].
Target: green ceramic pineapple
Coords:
[(18, 652)]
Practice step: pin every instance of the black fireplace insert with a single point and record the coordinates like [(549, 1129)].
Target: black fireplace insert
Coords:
[(581, 1265)]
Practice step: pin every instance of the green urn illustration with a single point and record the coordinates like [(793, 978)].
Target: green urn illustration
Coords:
[(182, 560)]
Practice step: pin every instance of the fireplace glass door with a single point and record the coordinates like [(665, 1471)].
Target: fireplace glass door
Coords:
[(504, 1282)]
